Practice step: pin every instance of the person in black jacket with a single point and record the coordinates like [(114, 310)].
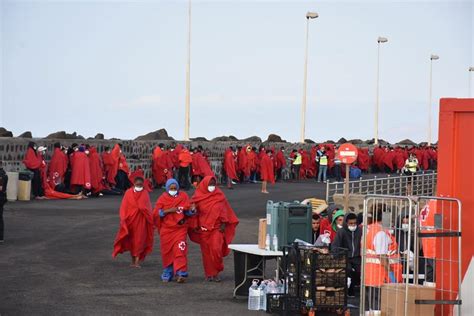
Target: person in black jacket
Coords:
[(3, 198), (349, 238)]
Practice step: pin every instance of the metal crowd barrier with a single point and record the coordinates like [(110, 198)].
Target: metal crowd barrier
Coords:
[(420, 184), (421, 273)]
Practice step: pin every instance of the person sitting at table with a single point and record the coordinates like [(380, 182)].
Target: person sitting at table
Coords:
[(214, 226)]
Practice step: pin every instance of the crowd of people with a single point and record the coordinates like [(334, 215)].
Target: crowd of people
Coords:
[(79, 171), (207, 218)]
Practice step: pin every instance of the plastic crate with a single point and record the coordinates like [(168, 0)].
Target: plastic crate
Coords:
[(330, 298), (331, 277), (283, 304), (317, 274), (306, 287), (292, 284), (332, 260)]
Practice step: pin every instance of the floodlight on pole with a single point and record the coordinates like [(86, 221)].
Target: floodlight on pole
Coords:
[(380, 40), (309, 16), (432, 57), (471, 70), (188, 80)]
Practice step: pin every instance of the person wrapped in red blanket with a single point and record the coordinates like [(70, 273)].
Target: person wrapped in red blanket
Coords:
[(200, 165), (81, 174), (58, 165), (214, 226), (162, 166), (267, 172), (136, 224), (139, 173), (172, 211), (35, 163), (229, 166)]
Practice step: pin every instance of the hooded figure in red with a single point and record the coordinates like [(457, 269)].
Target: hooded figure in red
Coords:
[(111, 164), (399, 160), (34, 162), (378, 158), (229, 166), (387, 160), (58, 165), (243, 163), (252, 158), (81, 174), (363, 159), (201, 167), (267, 173), (161, 166), (280, 162), (172, 210), (305, 171), (139, 173), (136, 224), (95, 170), (214, 226)]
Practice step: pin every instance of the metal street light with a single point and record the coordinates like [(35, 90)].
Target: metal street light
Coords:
[(380, 40), (309, 15), (471, 69), (432, 57), (188, 80)]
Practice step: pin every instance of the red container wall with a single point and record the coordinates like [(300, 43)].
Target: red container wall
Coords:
[(456, 179)]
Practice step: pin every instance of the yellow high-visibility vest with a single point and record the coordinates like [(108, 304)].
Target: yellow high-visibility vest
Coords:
[(297, 160), (412, 165)]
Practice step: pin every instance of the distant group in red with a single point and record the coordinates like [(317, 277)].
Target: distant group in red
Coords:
[(247, 164), (79, 171)]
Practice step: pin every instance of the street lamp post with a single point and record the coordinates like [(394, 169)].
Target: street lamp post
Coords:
[(309, 15), (380, 40), (471, 70), (188, 80), (432, 57)]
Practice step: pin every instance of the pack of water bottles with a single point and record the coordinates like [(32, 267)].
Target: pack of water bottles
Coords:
[(259, 290)]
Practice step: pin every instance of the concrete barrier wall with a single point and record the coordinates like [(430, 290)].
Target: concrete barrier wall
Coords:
[(138, 153)]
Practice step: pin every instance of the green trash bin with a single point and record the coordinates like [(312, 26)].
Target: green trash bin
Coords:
[(289, 221)]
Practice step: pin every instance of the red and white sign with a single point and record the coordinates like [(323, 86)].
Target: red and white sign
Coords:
[(348, 153)]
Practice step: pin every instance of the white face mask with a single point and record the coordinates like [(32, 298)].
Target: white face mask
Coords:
[(405, 227), (352, 228), (138, 189), (172, 192), (76, 149), (87, 152), (211, 188), (339, 226)]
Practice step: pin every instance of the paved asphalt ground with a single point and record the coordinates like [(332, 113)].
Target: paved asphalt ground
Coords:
[(56, 259)]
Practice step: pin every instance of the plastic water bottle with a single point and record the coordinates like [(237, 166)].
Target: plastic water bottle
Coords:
[(275, 242), (267, 242), (263, 296), (272, 287), (254, 296)]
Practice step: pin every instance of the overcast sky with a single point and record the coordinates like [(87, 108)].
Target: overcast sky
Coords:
[(119, 67)]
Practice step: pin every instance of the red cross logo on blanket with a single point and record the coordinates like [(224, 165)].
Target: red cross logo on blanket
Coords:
[(182, 245)]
